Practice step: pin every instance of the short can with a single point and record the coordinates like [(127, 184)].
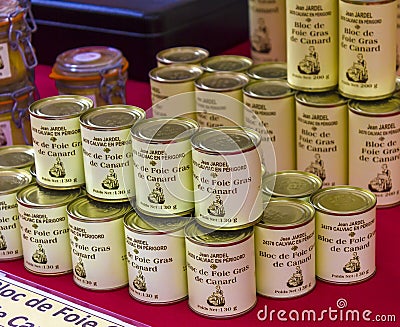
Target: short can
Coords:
[(312, 45), (226, 63), (269, 71), (219, 99), (156, 258), (181, 55), (269, 104), (345, 221), (107, 151), (57, 141), (172, 90), (374, 132), (44, 229), (227, 177), (367, 33), (17, 157), (220, 271), (322, 136), (285, 249), (97, 243), (11, 181)]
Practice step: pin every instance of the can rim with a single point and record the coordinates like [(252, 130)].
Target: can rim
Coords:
[(305, 97), (356, 107), (246, 62), (252, 71), (25, 149), (193, 69), (24, 177), (248, 89), (160, 56), (241, 78)]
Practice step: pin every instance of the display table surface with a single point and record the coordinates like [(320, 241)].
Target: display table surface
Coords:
[(380, 294)]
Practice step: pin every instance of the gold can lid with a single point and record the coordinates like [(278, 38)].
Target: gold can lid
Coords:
[(13, 180), (268, 89), (183, 54), (343, 200), (322, 99), (175, 73), (60, 106), (112, 117), (221, 81), (226, 63), (87, 209), (225, 140), (386, 107), (286, 213), (16, 156), (291, 184), (268, 71), (201, 235), (164, 129), (34, 196)]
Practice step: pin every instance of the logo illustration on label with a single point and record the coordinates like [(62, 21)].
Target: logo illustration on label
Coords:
[(216, 299), (358, 71), (310, 64), (353, 265), (156, 195), (296, 279), (58, 169), (80, 269), (382, 182), (317, 167), (260, 40), (3, 243), (216, 208), (111, 181), (139, 282), (39, 256)]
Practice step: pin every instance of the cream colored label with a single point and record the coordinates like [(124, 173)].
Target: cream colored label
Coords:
[(367, 34), (312, 44), (58, 152), (10, 233), (221, 280), (267, 117), (5, 133), (5, 71), (227, 189), (322, 142), (161, 91), (285, 261), (374, 148), (98, 254), (345, 247), (219, 109), (163, 177), (107, 159), (155, 261), (45, 239), (267, 24)]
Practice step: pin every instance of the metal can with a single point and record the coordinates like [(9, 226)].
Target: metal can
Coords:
[(181, 55), (97, 72), (226, 63), (269, 103), (16, 157), (312, 45), (322, 142), (367, 33), (227, 177), (98, 247), (267, 27), (44, 229), (270, 71), (107, 151), (163, 165), (167, 83), (219, 99), (11, 181), (156, 258), (374, 131), (57, 142), (345, 221), (285, 249), (220, 271)]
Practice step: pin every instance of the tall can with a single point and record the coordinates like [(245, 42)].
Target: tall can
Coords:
[(322, 129), (312, 44), (107, 151), (367, 33), (163, 165), (285, 249), (11, 181), (44, 229), (267, 29), (220, 271), (181, 55), (156, 258), (374, 139), (345, 223), (57, 142)]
